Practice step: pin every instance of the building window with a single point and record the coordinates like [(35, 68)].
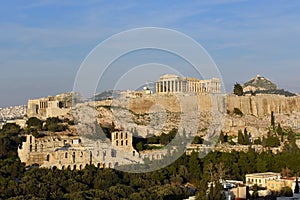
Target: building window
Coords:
[(126, 135), (66, 155), (126, 142), (117, 143), (48, 157), (122, 143), (30, 148), (117, 135)]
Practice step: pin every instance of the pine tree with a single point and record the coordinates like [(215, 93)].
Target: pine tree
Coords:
[(238, 90), (280, 132), (240, 137), (273, 120), (296, 190)]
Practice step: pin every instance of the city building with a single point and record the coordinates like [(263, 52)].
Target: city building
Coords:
[(261, 179), (278, 184), (170, 83)]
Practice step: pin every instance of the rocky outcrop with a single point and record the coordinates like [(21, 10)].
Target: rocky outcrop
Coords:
[(150, 112)]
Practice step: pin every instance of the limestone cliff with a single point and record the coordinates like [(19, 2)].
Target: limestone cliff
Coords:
[(168, 111)]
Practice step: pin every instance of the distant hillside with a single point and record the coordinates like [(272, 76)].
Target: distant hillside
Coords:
[(262, 85)]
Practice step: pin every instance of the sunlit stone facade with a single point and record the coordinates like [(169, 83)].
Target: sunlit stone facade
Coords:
[(170, 83)]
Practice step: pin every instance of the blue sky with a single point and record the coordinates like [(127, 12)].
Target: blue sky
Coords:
[(43, 43)]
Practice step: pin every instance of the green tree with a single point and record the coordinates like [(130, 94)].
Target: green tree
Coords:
[(280, 132), (34, 123), (11, 128), (139, 146), (53, 124), (221, 137), (255, 191), (238, 89), (286, 191), (197, 140), (273, 120), (296, 190), (216, 191), (241, 139), (238, 112)]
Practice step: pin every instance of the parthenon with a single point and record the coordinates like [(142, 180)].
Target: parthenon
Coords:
[(170, 83)]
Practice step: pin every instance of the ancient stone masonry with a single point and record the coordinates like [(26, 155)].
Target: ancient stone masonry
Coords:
[(51, 106), (63, 151), (170, 83)]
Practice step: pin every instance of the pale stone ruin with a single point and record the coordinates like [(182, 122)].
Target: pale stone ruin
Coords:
[(64, 151), (51, 106), (170, 83)]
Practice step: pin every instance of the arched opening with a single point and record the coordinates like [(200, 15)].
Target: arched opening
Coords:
[(133, 153), (122, 143), (30, 148), (109, 165), (66, 155), (80, 167), (73, 157), (48, 157), (63, 167), (74, 168), (60, 104)]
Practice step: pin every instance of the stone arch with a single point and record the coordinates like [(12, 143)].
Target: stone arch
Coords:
[(74, 167), (63, 167), (69, 167), (109, 165), (80, 167), (48, 157)]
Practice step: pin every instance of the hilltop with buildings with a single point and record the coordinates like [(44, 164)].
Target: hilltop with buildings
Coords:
[(262, 85), (133, 129)]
